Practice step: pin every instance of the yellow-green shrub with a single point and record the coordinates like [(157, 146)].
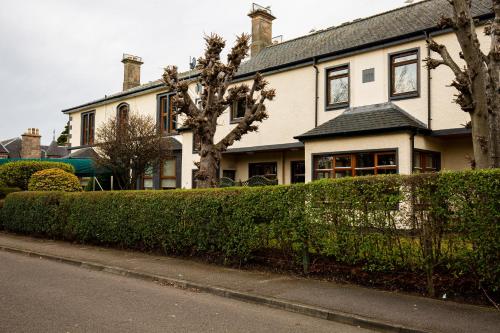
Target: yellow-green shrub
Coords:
[(18, 173), (54, 180)]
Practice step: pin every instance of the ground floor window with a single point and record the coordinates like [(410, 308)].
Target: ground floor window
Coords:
[(266, 169), (147, 179), (298, 172), (168, 179), (355, 164), (426, 161), (231, 174)]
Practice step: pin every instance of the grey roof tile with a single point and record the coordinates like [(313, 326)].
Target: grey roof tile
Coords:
[(365, 119), (3, 150), (54, 150)]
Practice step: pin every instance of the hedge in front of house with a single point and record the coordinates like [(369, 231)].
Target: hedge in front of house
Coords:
[(444, 224), (18, 173), (54, 180)]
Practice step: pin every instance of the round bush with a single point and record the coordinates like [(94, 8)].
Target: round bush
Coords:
[(18, 173), (54, 180)]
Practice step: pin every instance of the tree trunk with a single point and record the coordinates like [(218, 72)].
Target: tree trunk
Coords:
[(480, 134), (208, 167)]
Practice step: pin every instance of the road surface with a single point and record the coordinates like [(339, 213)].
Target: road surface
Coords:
[(38, 295)]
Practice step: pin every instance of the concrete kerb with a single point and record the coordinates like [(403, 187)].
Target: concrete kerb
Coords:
[(317, 312)]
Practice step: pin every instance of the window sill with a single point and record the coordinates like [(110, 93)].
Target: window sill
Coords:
[(336, 107), (235, 120), (406, 96)]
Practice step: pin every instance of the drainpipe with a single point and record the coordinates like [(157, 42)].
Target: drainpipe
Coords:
[(429, 117), (412, 148), (316, 97)]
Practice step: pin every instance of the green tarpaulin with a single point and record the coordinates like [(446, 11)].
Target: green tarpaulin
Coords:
[(84, 167)]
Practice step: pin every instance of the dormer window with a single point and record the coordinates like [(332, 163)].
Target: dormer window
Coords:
[(337, 87), (404, 74)]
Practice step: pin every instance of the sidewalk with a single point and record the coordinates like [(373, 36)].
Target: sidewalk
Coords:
[(385, 311)]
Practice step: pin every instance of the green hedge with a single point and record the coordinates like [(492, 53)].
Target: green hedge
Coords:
[(435, 225), (54, 180), (18, 173), (7, 190)]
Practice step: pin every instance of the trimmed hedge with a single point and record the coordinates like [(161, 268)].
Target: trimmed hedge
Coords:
[(54, 180), (4, 191), (18, 173), (442, 225)]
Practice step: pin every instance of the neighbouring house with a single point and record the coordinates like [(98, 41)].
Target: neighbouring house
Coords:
[(354, 99), (29, 146)]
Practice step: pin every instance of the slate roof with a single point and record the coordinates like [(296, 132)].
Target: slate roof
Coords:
[(87, 152), (407, 21), (14, 146), (54, 150), (364, 120), (404, 22)]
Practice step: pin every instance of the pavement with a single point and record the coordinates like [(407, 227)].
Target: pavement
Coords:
[(46, 296), (346, 304)]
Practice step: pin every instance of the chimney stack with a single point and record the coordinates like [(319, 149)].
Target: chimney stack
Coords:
[(262, 28), (131, 71), (30, 146)]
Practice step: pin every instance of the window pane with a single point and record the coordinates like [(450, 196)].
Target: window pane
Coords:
[(323, 174), (339, 71), (405, 79), (365, 160), (148, 184), (339, 90), (386, 159), (168, 168), (416, 160), (342, 161), (387, 171), (168, 183), (365, 172), (342, 173), (408, 57), (148, 172), (324, 162)]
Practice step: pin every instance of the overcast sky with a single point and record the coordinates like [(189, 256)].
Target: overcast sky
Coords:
[(56, 54)]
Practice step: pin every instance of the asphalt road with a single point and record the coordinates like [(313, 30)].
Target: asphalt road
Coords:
[(38, 295)]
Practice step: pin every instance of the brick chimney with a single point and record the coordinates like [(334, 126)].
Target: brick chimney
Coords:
[(262, 28), (30, 146), (131, 71)]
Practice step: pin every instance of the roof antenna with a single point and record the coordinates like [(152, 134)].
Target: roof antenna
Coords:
[(53, 135)]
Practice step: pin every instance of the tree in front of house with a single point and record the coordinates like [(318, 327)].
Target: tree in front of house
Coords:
[(217, 96), (478, 82), (128, 147)]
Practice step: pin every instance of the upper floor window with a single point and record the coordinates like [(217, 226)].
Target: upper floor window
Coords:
[(88, 128), (168, 118), (238, 110), (404, 74), (122, 113), (337, 87)]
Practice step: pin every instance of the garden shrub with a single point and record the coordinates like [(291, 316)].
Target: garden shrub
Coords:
[(442, 225), (54, 180), (6, 190), (18, 173)]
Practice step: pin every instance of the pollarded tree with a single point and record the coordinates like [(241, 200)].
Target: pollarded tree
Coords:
[(478, 82), (216, 78)]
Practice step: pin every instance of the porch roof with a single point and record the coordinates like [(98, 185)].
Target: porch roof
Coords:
[(264, 148), (384, 117)]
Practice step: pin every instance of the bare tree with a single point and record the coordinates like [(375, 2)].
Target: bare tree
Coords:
[(128, 147), (216, 77), (478, 81)]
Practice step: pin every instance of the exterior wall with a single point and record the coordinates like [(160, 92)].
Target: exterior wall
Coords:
[(399, 141), (456, 152)]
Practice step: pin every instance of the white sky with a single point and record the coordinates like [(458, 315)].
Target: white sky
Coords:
[(56, 54)]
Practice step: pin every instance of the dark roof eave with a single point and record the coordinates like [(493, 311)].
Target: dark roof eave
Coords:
[(413, 129)]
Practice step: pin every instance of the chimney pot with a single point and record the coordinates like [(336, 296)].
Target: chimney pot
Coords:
[(262, 28), (131, 71)]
